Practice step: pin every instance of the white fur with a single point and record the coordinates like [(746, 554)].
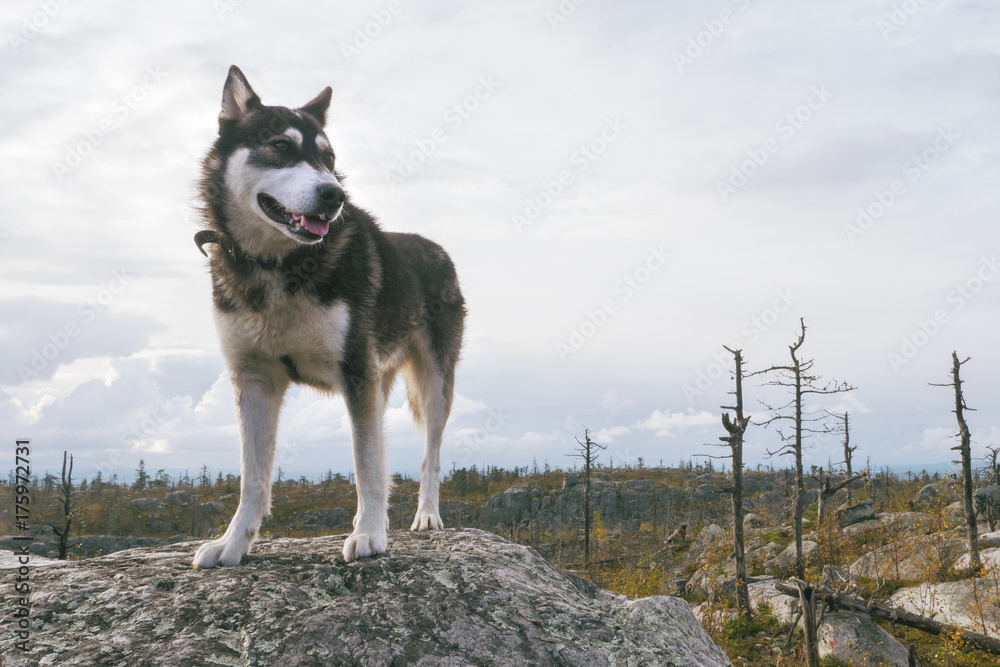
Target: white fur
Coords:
[(253, 343), (294, 135), (294, 187)]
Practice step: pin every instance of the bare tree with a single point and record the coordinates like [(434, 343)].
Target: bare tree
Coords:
[(736, 429), (587, 451), (798, 377), (845, 427), (992, 464), (965, 449), (66, 490)]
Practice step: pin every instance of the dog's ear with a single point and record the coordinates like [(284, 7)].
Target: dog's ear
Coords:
[(238, 98), (318, 105)]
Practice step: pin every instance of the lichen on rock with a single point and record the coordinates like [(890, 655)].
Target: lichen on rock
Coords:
[(453, 597)]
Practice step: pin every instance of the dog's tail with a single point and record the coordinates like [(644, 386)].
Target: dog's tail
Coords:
[(413, 397)]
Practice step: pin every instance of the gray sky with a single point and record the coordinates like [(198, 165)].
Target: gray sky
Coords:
[(624, 189)]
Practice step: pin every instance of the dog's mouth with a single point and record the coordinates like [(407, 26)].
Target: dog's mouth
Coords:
[(309, 228)]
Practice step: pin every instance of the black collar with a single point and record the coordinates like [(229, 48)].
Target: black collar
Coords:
[(210, 236)]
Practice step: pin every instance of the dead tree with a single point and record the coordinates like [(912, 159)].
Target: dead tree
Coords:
[(799, 379), (809, 624), (588, 452), (992, 464), (66, 490), (828, 491), (965, 449), (736, 428), (845, 427)]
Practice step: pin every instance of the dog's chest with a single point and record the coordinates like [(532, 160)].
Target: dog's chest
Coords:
[(306, 337)]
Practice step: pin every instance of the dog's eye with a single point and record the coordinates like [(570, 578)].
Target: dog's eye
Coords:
[(282, 145), (328, 160)]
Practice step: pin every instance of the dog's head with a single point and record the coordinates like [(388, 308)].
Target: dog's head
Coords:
[(278, 167)]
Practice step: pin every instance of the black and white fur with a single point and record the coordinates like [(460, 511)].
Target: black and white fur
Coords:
[(308, 289)]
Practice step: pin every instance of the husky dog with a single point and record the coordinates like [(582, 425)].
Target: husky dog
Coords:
[(308, 289)]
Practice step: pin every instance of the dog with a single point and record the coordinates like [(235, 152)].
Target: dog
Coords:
[(308, 289)]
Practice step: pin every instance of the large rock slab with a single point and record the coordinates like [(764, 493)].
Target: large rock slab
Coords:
[(850, 515), (786, 558), (764, 593), (971, 604), (919, 558), (855, 639), (990, 559), (453, 597)]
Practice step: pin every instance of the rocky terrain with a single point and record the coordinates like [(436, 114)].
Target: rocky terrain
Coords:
[(454, 597)]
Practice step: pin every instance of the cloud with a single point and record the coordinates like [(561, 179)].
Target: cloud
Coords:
[(666, 423)]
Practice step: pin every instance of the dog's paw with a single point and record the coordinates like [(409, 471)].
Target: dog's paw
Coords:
[(427, 521), (362, 545), (221, 552)]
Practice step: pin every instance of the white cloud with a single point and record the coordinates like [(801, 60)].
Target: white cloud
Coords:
[(666, 423)]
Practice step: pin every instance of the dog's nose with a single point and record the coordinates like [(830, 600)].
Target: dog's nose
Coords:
[(332, 194)]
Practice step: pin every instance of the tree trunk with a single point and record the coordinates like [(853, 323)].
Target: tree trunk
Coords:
[(975, 564), (800, 566), (736, 443), (809, 625)]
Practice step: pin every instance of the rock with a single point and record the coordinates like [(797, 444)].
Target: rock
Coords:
[(910, 559), (971, 604), (178, 498), (855, 639), (937, 493), (763, 593), (709, 537), (786, 559), (862, 526), (149, 504), (212, 508), (675, 586), (752, 520), (990, 558), (442, 597), (955, 510), (849, 515), (989, 539)]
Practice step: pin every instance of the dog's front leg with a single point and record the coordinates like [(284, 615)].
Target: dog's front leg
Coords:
[(260, 387), (366, 405)]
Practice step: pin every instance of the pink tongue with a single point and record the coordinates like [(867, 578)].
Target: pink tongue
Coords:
[(316, 226)]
